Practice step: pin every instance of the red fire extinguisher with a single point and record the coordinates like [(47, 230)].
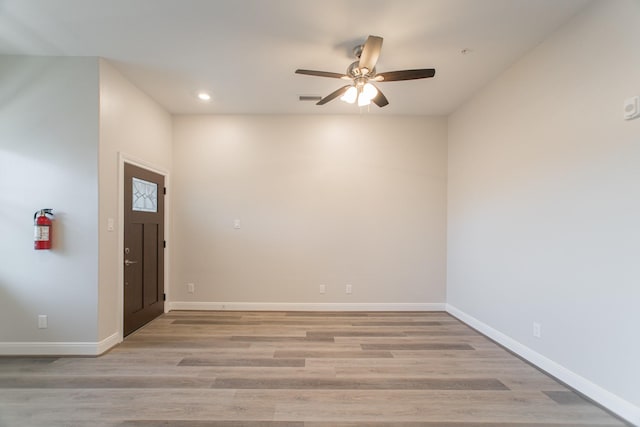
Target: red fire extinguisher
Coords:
[(42, 229)]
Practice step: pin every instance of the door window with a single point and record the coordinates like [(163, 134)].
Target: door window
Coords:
[(145, 195)]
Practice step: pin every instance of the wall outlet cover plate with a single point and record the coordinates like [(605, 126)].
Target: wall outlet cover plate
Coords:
[(632, 108)]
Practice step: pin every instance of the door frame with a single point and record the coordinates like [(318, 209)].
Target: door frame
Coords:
[(122, 159)]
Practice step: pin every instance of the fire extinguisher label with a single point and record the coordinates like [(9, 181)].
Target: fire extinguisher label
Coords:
[(41, 233)]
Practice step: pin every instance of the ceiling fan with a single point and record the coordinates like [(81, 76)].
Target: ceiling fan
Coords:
[(362, 73)]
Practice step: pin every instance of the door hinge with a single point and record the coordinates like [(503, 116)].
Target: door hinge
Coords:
[(164, 190), (164, 243), (164, 297)]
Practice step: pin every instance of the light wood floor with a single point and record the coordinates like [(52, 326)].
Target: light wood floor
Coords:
[(194, 369)]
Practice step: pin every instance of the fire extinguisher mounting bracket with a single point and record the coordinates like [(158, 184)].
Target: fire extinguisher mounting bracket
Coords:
[(43, 212)]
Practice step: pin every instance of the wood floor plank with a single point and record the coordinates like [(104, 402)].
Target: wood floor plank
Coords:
[(421, 346), (26, 361), (82, 382), (327, 314), (149, 344), (406, 314), (444, 424), (352, 333), (238, 322), (262, 338), (256, 362), (438, 333), (566, 397), (219, 423), (333, 354), (361, 383), (396, 324)]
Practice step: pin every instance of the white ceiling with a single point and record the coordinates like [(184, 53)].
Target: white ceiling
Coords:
[(245, 51)]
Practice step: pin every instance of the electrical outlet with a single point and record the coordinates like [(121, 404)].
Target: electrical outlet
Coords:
[(323, 289), (632, 108), (191, 288), (43, 322), (236, 224), (348, 289), (537, 330)]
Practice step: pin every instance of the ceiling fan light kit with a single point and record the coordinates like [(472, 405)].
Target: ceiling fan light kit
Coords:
[(362, 73), (363, 93), (350, 95)]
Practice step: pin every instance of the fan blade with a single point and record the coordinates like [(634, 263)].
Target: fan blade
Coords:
[(321, 74), (380, 100), (392, 76), (370, 53), (333, 95)]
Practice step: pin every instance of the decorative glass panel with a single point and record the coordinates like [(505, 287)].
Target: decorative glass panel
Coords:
[(145, 196)]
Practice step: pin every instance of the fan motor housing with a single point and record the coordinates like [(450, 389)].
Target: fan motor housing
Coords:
[(355, 72)]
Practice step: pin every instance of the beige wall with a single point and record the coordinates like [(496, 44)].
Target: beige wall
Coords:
[(544, 204), (133, 124), (328, 200)]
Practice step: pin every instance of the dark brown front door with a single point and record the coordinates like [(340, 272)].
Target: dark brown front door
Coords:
[(143, 247)]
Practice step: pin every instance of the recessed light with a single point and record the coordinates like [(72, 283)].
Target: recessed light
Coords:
[(204, 96)]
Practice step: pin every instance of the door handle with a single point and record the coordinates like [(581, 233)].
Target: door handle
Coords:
[(128, 263)]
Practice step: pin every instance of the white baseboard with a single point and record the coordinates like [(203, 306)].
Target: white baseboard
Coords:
[(277, 306), (612, 402), (58, 348), (108, 343)]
